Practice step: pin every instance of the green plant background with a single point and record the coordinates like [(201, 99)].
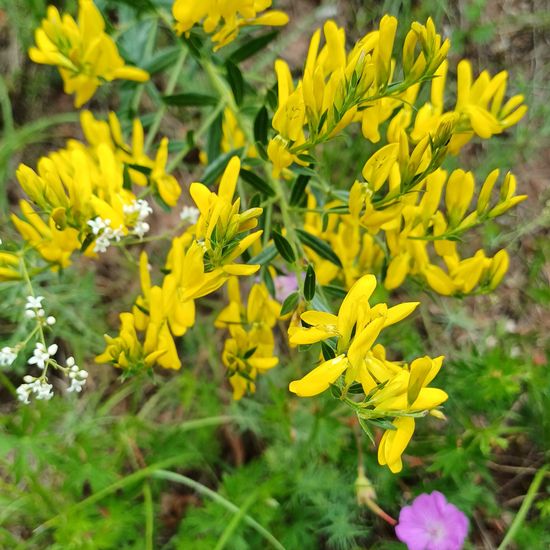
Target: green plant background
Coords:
[(91, 472)]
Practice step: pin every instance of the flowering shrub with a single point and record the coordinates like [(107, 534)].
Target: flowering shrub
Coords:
[(291, 257)]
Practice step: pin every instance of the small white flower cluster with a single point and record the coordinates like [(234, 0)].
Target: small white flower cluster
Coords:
[(37, 386), (41, 355), (105, 233), (34, 310), (140, 209), (78, 376), (7, 356), (189, 214)]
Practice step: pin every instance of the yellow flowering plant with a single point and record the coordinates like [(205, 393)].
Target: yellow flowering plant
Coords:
[(264, 209)]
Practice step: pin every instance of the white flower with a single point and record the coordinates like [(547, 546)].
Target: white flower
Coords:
[(7, 356), (189, 214), (50, 320), (105, 233), (138, 211), (41, 355), (78, 376), (37, 386), (23, 392), (34, 302), (43, 390)]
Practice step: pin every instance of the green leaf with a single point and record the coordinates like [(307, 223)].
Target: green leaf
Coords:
[(298, 192), (268, 281), (365, 427), (162, 60), (328, 352), (265, 256), (290, 303), (307, 158), (216, 168), (190, 100), (214, 139), (284, 247), (236, 81), (141, 169), (258, 183), (261, 123), (334, 291), (309, 283), (252, 46), (382, 423), (318, 246)]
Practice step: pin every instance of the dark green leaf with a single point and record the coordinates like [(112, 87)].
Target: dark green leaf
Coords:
[(214, 139), (318, 246), (297, 194), (284, 247), (328, 352), (335, 291), (290, 303), (268, 281), (216, 168), (258, 183), (236, 81), (252, 46), (190, 100), (141, 169), (307, 158), (309, 283), (261, 123)]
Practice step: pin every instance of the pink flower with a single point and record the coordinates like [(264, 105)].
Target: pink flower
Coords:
[(432, 523), (284, 286)]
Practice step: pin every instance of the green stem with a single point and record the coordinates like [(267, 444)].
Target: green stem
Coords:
[(228, 505), (113, 488), (149, 516), (5, 106), (151, 134), (234, 523), (524, 508)]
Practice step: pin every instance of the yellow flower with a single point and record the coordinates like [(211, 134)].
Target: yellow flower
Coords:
[(356, 328), (220, 225), (84, 54), (250, 348), (224, 19), (125, 351), (9, 266)]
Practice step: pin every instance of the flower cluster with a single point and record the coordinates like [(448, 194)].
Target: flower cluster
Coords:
[(199, 262), (250, 348), (223, 20), (85, 55), (84, 192), (42, 358), (391, 389)]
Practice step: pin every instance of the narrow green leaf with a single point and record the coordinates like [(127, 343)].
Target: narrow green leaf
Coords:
[(290, 303), (190, 100), (236, 81), (265, 256), (162, 60), (261, 123), (252, 46), (365, 427), (214, 139), (334, 291), (328, 352), (298, 192), (216, 168), (258, 183), (318, 246), (284, 247), (309, 283)]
